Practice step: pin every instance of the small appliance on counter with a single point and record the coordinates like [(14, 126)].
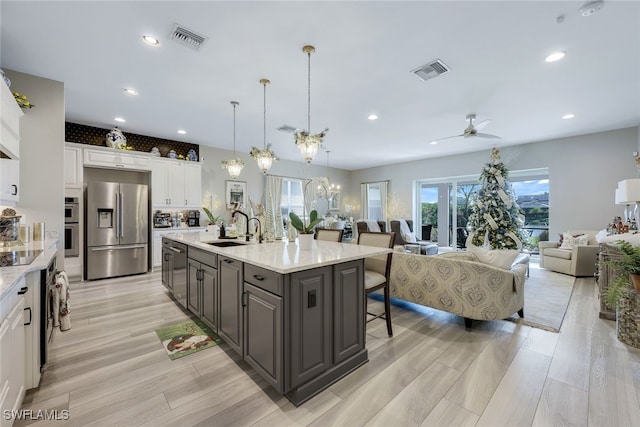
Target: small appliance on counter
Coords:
[(193, 218), (161, 219)]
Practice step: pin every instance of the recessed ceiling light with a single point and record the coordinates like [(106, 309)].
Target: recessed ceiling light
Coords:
[(130, 91), (182, 131), (372, 117), (433, 142), (151, 41), (119, 119), (568, 116), (555, 56)]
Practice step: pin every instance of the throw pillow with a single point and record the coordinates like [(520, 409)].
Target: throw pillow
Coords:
[(501, 258), (569, 241), (409, 237)]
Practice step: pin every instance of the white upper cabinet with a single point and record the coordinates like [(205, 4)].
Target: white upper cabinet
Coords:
[(73, 167), (9, 181), (175, 184), (116, 159), (192, 185), (9, 123)]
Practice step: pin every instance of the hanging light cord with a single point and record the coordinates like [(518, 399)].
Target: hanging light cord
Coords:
[(264, 128), (309, 91), (234, 103)]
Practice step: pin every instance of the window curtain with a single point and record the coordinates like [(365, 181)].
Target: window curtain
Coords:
[(364, 201), (274, 225), (384, 185)]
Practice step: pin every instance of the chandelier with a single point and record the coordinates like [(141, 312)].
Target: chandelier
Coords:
[(325, 187), (307, 142), (235, 165), (264, 157)]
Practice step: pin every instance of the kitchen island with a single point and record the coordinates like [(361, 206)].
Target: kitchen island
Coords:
[(296, 316)]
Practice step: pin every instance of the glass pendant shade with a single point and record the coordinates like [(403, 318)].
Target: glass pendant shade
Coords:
[(307, 145), (264, 161), (235, 165)]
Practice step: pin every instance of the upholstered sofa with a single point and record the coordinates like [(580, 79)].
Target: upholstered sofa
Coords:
[(579, 261), (457, 283)]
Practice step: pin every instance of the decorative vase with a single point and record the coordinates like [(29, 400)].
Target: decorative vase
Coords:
[(305, 242), (635, 279), (116, 139)]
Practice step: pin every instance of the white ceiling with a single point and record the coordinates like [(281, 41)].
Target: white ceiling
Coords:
[(365, 51)]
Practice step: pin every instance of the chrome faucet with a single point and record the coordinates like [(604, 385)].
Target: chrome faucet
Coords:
[(259, 228), (246, 231)]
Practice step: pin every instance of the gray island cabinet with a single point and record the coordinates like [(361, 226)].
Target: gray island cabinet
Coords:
[(299, 323)]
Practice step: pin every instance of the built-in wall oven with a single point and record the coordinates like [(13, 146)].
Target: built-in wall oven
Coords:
[(71, 227)]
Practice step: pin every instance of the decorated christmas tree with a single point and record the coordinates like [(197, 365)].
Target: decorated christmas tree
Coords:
[(494, 211)]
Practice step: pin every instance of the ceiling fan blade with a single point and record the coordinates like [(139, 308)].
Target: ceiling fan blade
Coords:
[(482, 124), (487, 136), (449, 137)]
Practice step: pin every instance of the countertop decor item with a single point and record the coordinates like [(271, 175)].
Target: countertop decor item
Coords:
[(307, 142), (192, 156), (235, 165), (299, 225), (116, 139), (265, 156), (172, 154), (9, 229), (22, 101)]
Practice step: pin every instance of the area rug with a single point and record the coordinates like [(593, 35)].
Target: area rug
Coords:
[(187, 338), (546, 298)]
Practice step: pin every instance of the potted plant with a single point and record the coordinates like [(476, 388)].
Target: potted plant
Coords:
[(305, 232), (628, 265), (215, 222)]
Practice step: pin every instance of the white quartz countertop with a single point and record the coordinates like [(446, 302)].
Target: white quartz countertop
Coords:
[(9, 276), (281, 256)]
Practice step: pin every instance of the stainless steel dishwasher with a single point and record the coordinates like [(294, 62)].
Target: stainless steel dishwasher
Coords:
[(179, 272)]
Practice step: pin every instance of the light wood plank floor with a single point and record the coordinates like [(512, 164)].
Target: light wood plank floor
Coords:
[(110, 370)]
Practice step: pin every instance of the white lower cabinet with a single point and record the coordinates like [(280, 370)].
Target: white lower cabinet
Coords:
[(12, 356), (156, 255)]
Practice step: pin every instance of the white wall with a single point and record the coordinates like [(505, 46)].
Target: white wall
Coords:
[(214, 176), (42, 154), (583, 172)]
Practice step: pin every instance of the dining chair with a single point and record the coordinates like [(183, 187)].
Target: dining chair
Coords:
[(376, 271), (329, 235)]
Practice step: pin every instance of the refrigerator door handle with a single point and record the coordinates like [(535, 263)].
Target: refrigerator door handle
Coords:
[(121, 214), (117, 214), (117, 248)]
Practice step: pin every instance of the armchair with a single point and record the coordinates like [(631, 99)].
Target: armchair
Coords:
[(578, 261)]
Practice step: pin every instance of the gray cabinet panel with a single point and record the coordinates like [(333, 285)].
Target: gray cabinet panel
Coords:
[(310, 325), (263, 334), (209, 285), (167, 268), (230, 297), (193, 288), (348, 310)]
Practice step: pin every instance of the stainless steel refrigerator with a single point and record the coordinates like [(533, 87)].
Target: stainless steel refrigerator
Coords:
[(117, 229)]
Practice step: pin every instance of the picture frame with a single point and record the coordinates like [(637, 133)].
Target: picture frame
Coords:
[(236, 192), (334, 203)]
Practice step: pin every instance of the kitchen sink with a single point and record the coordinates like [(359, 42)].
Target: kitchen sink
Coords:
[(226, 244)]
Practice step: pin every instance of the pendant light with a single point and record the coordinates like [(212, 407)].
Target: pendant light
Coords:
[(307, 142), (264, 157), (235, 165)]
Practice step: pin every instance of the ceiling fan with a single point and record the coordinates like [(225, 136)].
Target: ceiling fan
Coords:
[(471, 131)]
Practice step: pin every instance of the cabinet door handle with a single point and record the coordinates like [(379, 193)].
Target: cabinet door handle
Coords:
[(228, 261), (244, 299), (176, 250), (23, 291), (29, 322), (258, 277), (15, 190)]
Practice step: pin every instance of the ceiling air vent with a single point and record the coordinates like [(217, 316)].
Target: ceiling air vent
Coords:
[(187, 37), (431, 70), (287, 128)]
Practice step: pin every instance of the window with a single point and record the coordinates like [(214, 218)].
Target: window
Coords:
[(292, 199), (439, 208)]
